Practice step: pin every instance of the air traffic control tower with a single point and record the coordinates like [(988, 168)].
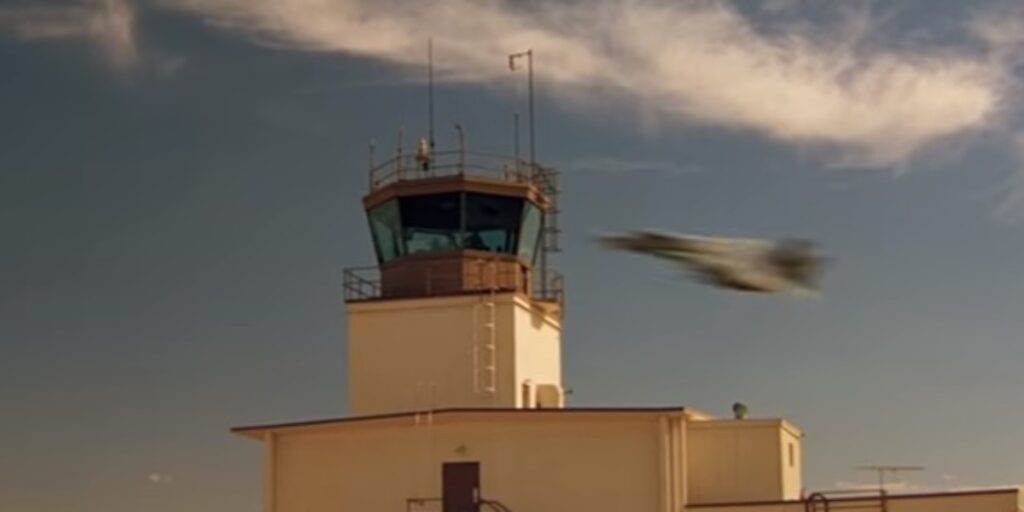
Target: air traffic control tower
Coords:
[(455, 387), (461, 310)]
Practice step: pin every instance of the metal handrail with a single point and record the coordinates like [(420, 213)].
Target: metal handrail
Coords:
[(409, 502), (492, 504), (364, 283), (355, 285), (812, 501), (407, 167), (496, 505)]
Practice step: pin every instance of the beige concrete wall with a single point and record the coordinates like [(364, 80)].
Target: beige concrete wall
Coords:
[(792, 463), (740, 461), (538, 349), (1005, 501), (419, 354), (576, 461)]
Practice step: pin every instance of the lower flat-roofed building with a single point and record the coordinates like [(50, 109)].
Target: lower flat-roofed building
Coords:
[(607, 459)]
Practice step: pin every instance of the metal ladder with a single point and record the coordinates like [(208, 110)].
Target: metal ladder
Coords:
[(485, 343)]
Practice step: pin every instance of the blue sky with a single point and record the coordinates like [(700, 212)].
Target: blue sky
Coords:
[(180, 185)]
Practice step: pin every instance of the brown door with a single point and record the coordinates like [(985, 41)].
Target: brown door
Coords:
[(460, 482)]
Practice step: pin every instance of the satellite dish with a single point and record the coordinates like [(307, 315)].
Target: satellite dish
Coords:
[(739, 410)]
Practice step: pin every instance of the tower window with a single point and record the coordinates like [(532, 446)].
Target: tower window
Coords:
[(386, 228), (431, 223), (529, 233), (792, 455), (492, 223), (434, 223)]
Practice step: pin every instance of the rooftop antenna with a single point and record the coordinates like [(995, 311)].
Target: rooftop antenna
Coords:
[(528, 54), (462, 148), (529, 77), (515, 138), (883, 469), (430, 93)]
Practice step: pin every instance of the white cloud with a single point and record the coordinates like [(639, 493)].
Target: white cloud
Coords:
[(694, 61), (107, 23)]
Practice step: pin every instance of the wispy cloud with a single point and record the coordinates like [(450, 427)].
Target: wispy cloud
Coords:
[(108, 23), (690, 60), (1002, 29)]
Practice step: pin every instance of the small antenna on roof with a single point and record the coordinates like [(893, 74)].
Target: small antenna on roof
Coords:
[(528, 54), (430, 93), (882, 470), (515, 137)]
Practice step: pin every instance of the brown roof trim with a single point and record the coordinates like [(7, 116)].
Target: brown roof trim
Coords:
[(943, 494), (455, 183), (481, 410)]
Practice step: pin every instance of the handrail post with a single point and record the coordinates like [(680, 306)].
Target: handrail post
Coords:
[(462, 148), (373, 182), (398, 157)]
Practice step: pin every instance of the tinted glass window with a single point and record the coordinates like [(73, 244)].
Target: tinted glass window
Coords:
[(492, 223), (529, 234), (431, 223), (386, 229)]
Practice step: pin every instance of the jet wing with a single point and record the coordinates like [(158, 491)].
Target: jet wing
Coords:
[(733, 263)]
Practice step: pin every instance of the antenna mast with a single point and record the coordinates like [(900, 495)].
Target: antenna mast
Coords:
[(529, 77), (515, 138), (430, 93), (882, 470), (535, 172)]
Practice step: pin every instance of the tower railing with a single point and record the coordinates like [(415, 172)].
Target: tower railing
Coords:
[(437, 505), (408, 167), (366, 283)]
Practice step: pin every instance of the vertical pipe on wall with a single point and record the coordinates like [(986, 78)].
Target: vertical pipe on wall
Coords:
[(665, 448), (678, 455), (673, 446), (269, 472)]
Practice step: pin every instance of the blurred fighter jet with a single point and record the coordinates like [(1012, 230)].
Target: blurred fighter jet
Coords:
[(788, 266)]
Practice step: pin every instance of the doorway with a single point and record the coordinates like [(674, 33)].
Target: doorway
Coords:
[(460, 484)]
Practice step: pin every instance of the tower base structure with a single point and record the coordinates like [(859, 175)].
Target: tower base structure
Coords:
[(472, 350)]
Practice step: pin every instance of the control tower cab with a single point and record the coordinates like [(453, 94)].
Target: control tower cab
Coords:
[(460, 310)]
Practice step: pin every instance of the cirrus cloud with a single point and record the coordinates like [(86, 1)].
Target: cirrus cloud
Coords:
[(110, 24), (693, 61)]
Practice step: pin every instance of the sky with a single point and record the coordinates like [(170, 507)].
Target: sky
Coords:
[(180, 186)]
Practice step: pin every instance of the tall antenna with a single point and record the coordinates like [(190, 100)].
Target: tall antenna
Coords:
[(515, 137), (534, 171), (529, 77), (430, 92), (882, 470)]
